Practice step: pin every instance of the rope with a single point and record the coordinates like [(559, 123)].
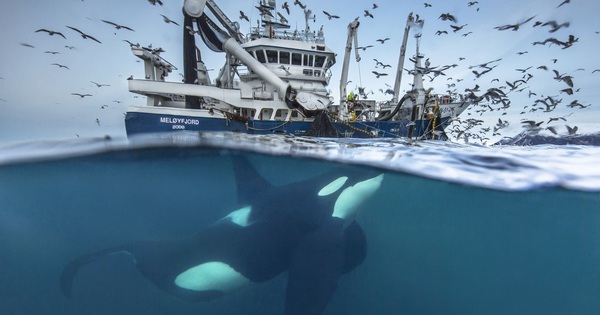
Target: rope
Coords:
[(365, 131), (267, 129)]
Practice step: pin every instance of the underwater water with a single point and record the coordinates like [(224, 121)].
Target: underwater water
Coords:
[(452, 230)]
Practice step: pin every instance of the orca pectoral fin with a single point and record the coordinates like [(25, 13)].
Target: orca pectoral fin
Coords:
[(316, 266), (68, 274)]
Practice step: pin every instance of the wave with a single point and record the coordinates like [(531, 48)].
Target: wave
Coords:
[(509, 168)]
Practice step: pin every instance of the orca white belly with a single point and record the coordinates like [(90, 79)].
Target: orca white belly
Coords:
[(210, 276)]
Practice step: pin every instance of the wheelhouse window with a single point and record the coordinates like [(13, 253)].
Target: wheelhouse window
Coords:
[(308, 60), (308, 72), (284, 57), (272, 56), (296, 59), (260, 56), (329, 63), (319, 61)]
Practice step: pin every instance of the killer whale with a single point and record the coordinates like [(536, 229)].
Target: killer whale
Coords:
[(306, 228)]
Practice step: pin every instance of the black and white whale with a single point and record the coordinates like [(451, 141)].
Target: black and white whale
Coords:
[(306, 228)]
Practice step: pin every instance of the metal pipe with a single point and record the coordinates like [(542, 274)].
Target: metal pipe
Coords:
[(189, 61)]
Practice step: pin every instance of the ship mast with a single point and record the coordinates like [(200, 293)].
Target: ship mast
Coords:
[(307, 16), (418, 88)]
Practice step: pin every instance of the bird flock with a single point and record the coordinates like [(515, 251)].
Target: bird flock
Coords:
[(496, 98), (488, 93), (69, 33)]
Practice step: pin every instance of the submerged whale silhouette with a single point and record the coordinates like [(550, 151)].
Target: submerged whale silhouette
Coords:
[(306, 228)]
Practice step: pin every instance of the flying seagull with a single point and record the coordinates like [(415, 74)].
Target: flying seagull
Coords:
[(167, 20), (555, 26), (562, 77), (523, 70), (551, 40), (447, 17), (282, 18), (84, 35), (191, 30), (569, 91), (51, 32), (457, 28), (514, 27), (576, 103), (117, 26), (154, 2), (286, 7), (331, 16), (297, 2), (243, 16), (100, 85), (485, 64), (132, 44), (60, 66), (479, 74), (564, 2), (287, 72), (377, 74), (81, 95)]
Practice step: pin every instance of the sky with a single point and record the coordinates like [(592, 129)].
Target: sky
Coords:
[(36, 100)]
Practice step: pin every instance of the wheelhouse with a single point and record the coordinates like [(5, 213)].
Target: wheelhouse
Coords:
[(290, 63)]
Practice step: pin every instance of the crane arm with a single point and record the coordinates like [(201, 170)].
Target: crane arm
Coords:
[(401, 58), (352, 37)]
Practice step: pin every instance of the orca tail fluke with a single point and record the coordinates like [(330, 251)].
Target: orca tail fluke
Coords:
[(68, 274)]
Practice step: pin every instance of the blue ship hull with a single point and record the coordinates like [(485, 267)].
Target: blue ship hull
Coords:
[(140, 122)]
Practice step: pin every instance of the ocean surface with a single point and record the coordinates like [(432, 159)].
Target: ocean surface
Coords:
[(454, 229)]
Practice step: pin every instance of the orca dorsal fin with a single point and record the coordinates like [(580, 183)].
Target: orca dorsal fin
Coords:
[(250, 184)]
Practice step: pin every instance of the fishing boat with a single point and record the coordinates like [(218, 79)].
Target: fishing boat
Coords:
[(275, 81)]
